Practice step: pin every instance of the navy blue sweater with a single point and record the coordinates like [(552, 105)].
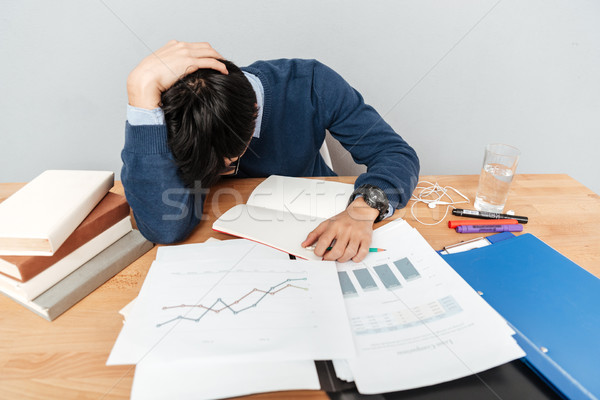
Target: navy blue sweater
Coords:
[(303, 98)]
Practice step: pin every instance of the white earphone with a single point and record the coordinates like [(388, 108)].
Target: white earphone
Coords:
[(432, 196), (434, 204)]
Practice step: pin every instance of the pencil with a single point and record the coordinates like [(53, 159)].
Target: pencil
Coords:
[(371, 249)]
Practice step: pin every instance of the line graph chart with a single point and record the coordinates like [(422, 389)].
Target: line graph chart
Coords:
[(273, 290), (224, 311)]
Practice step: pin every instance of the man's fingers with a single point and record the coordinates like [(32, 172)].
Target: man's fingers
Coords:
[(324, 242), (203, 63), (205, 53), (351, 251), (348, 238), (192, 55), (176, 44), (200, 50), (362, 251), (212, 64), (314, 235), (199, 45), (338, 249)]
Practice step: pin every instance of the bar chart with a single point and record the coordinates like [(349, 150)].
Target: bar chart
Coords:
[(365, 280), (407, 269), (386, 276), (346, 284)]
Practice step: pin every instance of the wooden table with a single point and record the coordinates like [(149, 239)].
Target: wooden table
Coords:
[(65, 359)]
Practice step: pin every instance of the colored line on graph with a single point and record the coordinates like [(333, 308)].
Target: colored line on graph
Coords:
[(272, 291)]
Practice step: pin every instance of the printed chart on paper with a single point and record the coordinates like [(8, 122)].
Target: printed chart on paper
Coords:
[(250, 310)]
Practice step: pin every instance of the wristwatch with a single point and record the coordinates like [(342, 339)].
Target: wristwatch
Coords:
[(374, 197)]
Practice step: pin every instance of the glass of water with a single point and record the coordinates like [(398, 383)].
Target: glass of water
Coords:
[(499, 165)]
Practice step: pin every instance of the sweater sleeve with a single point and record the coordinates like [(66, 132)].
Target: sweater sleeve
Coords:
[(164, 209), (392, 164)]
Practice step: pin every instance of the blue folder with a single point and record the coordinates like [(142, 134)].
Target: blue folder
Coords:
[(552, 304)]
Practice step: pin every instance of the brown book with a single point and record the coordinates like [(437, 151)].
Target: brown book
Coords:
[(111, 209)]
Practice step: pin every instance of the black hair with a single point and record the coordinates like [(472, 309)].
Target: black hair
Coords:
[(210, 116)]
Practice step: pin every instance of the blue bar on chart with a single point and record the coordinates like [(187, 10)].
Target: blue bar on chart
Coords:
[(387, 277), (365, 279), (348, 288), (408, 271)]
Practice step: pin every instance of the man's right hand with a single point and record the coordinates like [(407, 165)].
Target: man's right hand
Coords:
[(160, 70)]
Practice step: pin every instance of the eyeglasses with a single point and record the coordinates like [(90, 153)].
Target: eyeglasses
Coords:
[(233, 168)]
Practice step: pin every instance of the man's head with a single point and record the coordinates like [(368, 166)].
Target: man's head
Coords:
[(210, 119)]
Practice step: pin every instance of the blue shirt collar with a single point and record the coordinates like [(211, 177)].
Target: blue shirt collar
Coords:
[(260, 100)]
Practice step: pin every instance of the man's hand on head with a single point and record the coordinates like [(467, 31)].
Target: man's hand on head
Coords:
[(161, 69), (352, 231)]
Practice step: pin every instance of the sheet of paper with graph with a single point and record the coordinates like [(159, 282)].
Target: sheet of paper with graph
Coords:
[(180, 378), (415, 321), (236, 310), (400, 319)]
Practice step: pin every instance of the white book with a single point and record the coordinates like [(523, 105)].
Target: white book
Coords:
[(282, 211), (29, 290), (38, 218)]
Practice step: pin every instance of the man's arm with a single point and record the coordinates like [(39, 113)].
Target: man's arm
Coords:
[(392, 165), (164, 209)]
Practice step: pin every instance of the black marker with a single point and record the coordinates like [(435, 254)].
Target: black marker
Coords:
[(487, 215)]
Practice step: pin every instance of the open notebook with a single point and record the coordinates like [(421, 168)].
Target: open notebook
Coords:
[(282, 211)]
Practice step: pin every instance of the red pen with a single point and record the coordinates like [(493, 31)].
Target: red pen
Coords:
[(454, 224)]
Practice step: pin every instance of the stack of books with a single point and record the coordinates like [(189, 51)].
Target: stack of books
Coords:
[(61, 237)]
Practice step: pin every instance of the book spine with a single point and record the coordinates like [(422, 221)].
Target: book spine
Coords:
[(89, 229), (93, 274), (50, 276)]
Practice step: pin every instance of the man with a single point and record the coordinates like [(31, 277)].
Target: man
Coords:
[(193, 117)]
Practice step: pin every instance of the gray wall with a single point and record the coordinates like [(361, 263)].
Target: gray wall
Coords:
[(449, 76)]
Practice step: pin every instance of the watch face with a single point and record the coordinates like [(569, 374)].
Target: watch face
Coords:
[(375, 198), (376, 195)]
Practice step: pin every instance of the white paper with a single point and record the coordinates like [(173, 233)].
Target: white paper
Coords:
[(231, 311), (302, 196), (125, 311), (415, 321), (342, 370), (235, 248), (180, 379), (281, 230), (222, 250), (190, 379)]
